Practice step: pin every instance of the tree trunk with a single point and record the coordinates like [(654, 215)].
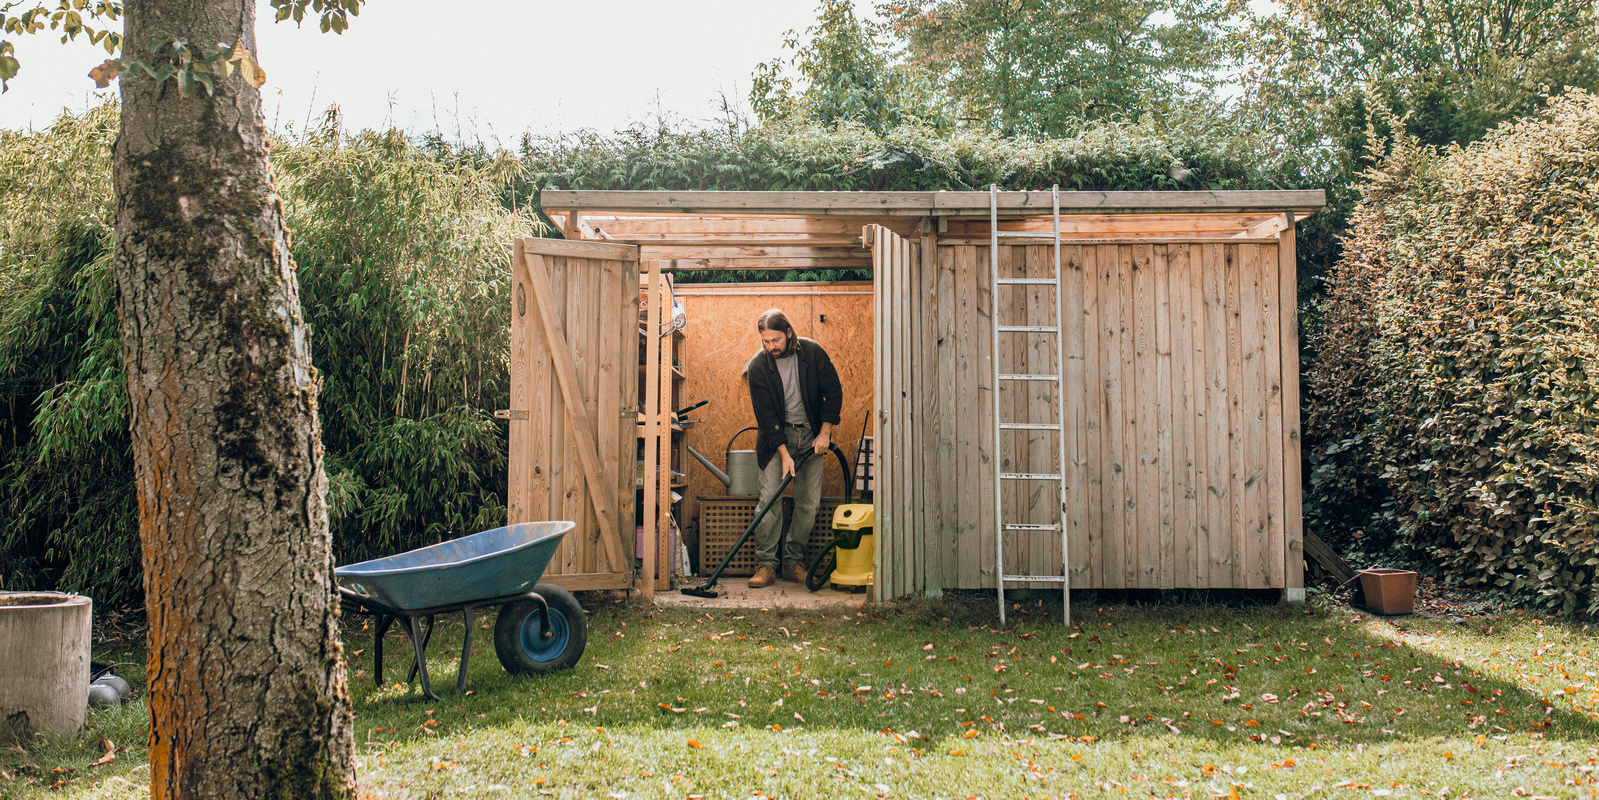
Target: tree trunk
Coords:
[(246, 674)]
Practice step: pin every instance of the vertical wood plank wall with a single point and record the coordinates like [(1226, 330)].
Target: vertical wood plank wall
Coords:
[(1180, 449), (595, 301)]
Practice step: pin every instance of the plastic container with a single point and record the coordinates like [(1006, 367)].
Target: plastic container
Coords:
[(1389, 592)]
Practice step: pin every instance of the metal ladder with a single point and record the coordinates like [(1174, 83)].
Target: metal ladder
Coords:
[(1001, 526)]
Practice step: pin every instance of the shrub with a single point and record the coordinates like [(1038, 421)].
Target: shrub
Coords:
[(797, 155), (1455, 366), (67, 508), (403, 265), (1196, 151)]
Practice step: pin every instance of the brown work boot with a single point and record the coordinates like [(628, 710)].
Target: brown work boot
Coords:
[(763, 577), (794, 573)]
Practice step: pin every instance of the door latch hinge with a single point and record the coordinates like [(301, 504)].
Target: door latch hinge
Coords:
[(506, 413)]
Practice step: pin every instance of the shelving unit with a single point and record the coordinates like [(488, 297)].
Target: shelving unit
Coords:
[(671, 346)]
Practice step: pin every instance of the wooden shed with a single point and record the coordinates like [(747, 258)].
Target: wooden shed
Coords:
[(1163, 358)]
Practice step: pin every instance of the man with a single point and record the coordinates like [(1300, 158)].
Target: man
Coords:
[(796, 396)]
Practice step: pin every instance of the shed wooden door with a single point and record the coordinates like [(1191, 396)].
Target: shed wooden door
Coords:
[(574, 403)]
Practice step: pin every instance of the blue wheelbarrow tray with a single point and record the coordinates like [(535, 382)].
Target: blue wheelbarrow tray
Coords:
[(484, 569)]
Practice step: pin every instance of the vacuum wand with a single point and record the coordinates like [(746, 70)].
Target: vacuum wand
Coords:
[(704, 589)]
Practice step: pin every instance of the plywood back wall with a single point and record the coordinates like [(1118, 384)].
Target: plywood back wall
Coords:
[(721, 337)]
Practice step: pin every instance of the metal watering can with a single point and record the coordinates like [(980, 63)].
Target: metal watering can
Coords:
[(743, 476)]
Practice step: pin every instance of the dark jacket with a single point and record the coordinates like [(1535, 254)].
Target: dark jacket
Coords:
[(820, 392)]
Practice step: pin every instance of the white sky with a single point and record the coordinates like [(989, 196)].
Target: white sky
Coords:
[(484, 68)]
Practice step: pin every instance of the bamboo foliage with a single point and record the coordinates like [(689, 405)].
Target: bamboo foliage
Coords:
[(403, 263)]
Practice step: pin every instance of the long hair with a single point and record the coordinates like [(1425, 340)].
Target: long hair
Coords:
[(774, 319)]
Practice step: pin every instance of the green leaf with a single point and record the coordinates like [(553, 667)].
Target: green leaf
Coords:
[(8, 65)]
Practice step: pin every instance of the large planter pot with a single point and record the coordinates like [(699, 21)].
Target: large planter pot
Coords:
[(44, 663), (1389, 592)]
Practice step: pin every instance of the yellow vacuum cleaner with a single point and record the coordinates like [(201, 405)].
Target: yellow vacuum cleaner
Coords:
[(847, 560)]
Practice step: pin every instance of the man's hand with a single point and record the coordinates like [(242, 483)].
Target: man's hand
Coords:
[(788, 461), (823, 439)]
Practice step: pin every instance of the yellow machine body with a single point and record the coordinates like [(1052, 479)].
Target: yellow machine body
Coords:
[(854, 517), (854, 566)]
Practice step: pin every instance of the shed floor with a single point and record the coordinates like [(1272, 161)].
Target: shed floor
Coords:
[(734, 592)]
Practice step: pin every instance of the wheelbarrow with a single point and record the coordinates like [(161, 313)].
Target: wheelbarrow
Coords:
[(541, 628)]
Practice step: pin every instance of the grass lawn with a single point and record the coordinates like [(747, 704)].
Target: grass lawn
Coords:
[(930, 699)]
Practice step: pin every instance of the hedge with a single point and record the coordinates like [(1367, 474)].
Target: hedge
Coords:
[(1452, 403)]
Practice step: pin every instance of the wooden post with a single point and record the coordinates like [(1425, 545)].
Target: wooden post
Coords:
[(1293, 511), (652, 424), (930, 536), (873, 234), (663, 487)]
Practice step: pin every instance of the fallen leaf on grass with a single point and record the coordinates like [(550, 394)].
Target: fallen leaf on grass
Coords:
[(957, 752), (695, 743)]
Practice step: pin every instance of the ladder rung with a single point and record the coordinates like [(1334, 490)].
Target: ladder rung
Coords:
[(1028, 526), (1036, 578), (1029, 377), (1025, 235), (1030, 281), (1029, 426), (1029, 476), (1029, 329)]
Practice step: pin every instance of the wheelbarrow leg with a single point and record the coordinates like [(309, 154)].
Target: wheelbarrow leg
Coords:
[(466, 651), (427, 636), (420, 665), (384, 621)]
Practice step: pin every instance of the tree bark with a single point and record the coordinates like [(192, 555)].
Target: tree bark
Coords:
[(246, 675)]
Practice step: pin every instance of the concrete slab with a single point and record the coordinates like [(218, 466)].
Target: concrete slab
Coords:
[(734, 592)]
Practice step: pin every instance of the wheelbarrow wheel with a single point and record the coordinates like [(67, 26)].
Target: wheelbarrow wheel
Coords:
[(519, 635), (822, 567)]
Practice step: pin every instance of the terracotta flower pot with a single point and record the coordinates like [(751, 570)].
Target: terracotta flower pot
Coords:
[(1389, 592)]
